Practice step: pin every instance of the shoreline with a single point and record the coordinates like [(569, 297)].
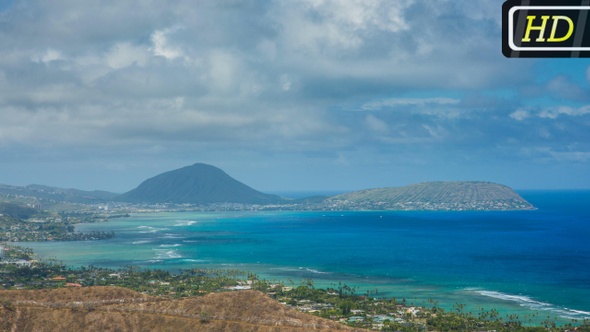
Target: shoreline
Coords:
[(421, 294), (304, 297), (531, 312), (172, 251), (368, 307)]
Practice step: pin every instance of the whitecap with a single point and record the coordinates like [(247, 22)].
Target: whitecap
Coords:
[(172, 236), (194, 260), (316, 271), (166, 254), (170, 245), (180, 223), (520, 299), (298, 269)]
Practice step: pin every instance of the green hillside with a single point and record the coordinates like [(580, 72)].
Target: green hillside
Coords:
[(459, 195), (57, 194), (17, 211)]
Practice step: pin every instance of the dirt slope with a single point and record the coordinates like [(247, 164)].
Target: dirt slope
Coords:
[(119, 309)]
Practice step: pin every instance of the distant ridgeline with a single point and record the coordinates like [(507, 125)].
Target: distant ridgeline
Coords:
[(451, 196), (202, 184), (57, 194), (206, 184)]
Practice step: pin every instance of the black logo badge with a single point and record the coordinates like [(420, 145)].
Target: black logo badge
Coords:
[(546, 29)]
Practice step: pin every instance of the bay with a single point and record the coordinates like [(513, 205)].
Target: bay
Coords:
[(535, 264)]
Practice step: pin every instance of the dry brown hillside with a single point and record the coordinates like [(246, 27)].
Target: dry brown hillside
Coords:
[(120, 309)]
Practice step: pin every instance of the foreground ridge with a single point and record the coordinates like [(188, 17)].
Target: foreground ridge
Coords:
[(119, 309)]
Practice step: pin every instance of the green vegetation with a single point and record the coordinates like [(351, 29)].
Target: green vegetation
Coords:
[(339, 303), (18, 211), (52, 274), (364, 311)]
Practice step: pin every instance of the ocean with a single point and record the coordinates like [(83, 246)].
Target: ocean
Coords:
[(535, 264)]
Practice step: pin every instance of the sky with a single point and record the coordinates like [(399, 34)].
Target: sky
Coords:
[(283, 95)]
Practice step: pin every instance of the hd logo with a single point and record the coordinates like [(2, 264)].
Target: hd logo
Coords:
[(540, 28)]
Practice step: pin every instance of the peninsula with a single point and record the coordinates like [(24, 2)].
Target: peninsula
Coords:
[(447, 196)]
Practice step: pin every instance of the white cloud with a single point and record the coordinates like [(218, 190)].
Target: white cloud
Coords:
[(555, 112), (363, 14), (318, 25), (551, 113), (161, 46), (270, 76), (520, 115), (394, 102)]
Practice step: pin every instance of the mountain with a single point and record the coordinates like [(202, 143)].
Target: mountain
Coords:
[(458, 195), (196, 184)]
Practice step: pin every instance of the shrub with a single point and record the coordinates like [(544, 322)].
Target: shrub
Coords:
[(8, 305), (204, 317)]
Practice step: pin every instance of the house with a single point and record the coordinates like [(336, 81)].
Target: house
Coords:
[(18, 262)]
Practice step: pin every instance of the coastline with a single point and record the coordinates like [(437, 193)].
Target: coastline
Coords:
[(307, 296), (161, 241)]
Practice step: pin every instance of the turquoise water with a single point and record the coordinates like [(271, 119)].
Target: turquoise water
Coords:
[(526, 262)]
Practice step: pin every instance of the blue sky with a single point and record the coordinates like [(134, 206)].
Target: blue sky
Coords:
[(296, 95)]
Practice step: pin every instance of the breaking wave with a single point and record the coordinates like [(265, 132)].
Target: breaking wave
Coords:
[(170, 245), (530, 303), (180, 223), (166, 254)]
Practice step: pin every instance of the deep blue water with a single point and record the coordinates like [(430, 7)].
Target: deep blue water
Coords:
[(522, 262)]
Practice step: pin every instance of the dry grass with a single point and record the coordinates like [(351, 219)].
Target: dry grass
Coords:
[(120, 309)]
